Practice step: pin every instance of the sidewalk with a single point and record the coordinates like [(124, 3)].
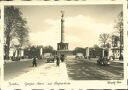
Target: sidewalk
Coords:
[(10, 61), (113, 61), (46, 72), (117, 61)]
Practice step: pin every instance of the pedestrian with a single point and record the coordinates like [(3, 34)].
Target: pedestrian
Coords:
[(62, 58), (34, 62), (57, 61)]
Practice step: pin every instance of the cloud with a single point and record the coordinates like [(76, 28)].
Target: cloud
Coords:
[(44, 38), (80, 30), (86, 24)]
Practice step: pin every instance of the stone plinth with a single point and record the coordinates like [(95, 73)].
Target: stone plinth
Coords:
[(62, 46)]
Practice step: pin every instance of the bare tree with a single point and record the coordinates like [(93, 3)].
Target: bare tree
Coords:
[(119, 30), (104, 39)]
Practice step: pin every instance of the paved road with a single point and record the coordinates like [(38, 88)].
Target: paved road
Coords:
[(77, 69), (14, 69), (89, 70)]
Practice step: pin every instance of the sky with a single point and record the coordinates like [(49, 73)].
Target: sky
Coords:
[(83, 23)]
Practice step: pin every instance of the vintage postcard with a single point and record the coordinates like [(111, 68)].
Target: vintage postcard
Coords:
[(69, 45)]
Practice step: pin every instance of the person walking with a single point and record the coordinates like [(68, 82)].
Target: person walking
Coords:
[(34, 62), (57, 61), (62, 58)]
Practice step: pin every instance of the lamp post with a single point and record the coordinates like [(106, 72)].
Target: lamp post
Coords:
[(103, 50), (87, 52), (41, 52)]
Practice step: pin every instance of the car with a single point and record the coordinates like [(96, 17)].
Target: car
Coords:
[(49, 57), (103, 61), (79, 56)]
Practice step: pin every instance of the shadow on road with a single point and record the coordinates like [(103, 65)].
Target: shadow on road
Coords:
[(12, 70)]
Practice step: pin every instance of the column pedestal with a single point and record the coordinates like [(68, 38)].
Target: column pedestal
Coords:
[(62, 46)]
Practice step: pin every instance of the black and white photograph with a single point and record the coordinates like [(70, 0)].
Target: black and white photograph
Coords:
[(71, 42), (53, 45)]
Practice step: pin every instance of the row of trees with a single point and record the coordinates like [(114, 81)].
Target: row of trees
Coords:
[(33, 51), (15, 30), (94, 51)]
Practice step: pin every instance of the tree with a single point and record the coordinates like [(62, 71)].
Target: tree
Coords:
[(104, 38), (79, 50), (119, 29), (32, 51), (119, 24), (15, 27), (98, 51), (95, 46), (48, 49)]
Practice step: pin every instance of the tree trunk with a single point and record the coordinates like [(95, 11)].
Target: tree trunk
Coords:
[(120, 57), (7, 47)]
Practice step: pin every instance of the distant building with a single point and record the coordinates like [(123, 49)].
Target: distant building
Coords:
[(13, 52), (116, 50)]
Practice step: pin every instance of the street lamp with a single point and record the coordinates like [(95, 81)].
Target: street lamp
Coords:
[(103, 50)]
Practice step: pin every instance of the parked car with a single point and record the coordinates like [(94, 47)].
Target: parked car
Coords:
[(49, 57), (79, 56), (103, 61)]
